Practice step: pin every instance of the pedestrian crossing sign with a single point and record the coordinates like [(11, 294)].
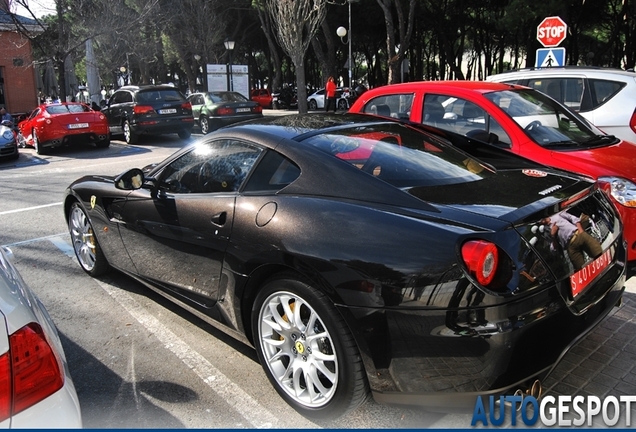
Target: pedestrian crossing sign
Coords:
[(550, 57)]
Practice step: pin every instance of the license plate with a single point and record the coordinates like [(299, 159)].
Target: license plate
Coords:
[(243, 109), (583, 277), (78, 125), (168, 111)]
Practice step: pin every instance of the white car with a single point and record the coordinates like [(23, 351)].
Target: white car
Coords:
[(316, 100), (36, 389), (606, 97)]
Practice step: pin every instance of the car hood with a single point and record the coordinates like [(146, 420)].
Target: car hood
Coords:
[(617, 160)]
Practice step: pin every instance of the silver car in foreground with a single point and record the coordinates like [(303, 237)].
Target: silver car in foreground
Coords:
[(36, 389)]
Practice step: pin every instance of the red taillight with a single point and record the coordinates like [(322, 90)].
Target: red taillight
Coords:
[(481, 259), (258, 109), (225, 111), (186, 106), (632, 122), (5, 386), (142, 109), (37, 371)]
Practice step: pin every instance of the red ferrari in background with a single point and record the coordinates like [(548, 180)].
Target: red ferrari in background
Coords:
[(523, 121), (59, 124)]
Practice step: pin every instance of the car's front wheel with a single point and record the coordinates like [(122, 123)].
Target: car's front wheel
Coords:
[(129, 135), (204, 124), (307, 350), (87, 249)]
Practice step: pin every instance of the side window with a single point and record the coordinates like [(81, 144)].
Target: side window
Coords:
[(568, 91), (603, 90), (396, 106), (273, 173), (463, 117), (217, 166)]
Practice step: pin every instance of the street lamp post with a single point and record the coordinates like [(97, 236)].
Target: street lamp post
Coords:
[(229, 46), (342, 32)]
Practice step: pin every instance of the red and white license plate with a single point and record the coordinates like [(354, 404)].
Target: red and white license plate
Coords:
[(78, 125), (583, 277)]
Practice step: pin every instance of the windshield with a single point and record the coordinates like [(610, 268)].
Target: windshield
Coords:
[(547, 122), (400, 155)]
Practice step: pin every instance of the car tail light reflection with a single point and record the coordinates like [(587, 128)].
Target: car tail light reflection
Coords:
[(481, 258), (143, 109), (30, 372)]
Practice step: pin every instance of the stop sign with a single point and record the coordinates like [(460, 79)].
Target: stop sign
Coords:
[(552, 31)]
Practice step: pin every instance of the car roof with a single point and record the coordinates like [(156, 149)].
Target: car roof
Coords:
[(478, 86), (585, 70)]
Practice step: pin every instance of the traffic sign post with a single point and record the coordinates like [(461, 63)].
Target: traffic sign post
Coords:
[(552, 31)]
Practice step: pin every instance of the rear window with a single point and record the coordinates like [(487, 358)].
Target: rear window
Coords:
[(400, 155), (220, 97), (603, 90), (163, 95), (66, 109)]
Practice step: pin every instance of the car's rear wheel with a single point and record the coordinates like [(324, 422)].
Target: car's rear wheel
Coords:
[(87, 249), (342, 105), (185, 133), (313, 105), (36, 143), (204, 124), (129, 135), (307, 350)]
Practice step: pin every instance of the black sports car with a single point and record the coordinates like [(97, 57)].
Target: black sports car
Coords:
[(356, 253)]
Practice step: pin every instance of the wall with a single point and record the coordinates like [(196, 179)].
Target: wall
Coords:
[(16, 64)]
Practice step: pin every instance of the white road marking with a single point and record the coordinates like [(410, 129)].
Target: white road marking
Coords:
[(30, 208), (257, 415)]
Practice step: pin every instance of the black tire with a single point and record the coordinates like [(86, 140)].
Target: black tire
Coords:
[(87, 250), (343, 105), (105, 143), (185, 133), (204, 124), (36, 144), (129, 135), (313, 105), (346, 387)]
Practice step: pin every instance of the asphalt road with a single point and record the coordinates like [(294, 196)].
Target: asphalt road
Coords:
[(137, 360)]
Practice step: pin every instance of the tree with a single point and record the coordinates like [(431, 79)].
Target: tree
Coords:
[(405, 30), (298, 21)]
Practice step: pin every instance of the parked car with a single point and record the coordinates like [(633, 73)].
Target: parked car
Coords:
[(354, 252), (36, 389), (213, 110), (148, 110), (263, 97), (523, 121), (604, 96), (316, 100), (59, 124), (286, 98), (8, 143)]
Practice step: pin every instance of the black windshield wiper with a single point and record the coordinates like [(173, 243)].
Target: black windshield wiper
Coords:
[(600, 139)]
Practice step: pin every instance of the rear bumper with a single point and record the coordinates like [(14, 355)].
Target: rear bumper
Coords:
[(415, 358), (154, 126)]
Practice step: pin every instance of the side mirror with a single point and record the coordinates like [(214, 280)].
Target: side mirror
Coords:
[(130, 180)]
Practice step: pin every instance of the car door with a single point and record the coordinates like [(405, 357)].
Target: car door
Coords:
[(177, 233), (116, 110)]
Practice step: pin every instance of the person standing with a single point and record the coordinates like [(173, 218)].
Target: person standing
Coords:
[(330, 95)]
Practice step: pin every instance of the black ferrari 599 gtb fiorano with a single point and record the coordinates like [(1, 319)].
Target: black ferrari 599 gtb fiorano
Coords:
[(360, 255)]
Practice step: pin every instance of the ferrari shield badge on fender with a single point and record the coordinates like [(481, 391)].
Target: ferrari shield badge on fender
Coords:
[(93, 199)]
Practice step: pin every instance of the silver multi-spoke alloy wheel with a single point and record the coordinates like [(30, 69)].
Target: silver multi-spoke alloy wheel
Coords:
[(83, 238), (298, 349)]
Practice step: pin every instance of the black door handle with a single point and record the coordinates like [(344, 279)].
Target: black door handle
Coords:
[(219, 218)]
